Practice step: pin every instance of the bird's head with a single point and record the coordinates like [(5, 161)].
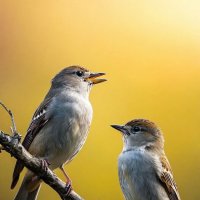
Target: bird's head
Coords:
[(77, 78), (140, 133)]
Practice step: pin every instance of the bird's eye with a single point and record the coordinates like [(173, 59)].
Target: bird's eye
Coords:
[(79, 73), (136, 129)]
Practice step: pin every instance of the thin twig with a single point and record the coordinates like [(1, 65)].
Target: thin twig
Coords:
[(13, 128)]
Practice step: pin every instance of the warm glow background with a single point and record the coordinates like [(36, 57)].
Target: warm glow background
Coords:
[(150, 51)]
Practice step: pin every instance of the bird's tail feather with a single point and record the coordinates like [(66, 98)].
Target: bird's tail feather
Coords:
[(25, 194)]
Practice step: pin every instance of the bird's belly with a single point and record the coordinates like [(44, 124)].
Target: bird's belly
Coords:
[(62, 139), (138, 179), (67, 145)]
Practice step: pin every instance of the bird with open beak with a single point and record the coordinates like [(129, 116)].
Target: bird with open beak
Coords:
[(59, 126)]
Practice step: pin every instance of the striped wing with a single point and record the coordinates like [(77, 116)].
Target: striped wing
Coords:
[(39, 120), (167, 180)]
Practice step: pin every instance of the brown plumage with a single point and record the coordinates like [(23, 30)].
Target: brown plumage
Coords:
[(144, 170), (167, 179)]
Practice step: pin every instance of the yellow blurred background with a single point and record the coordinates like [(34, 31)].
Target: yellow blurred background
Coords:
[(150, 51)]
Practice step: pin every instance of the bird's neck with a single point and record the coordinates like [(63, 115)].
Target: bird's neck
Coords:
[(128, 148), (82, 92), (149, 147), (76, 90)]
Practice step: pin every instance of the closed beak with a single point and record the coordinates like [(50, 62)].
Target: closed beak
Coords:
[(122, 129), (119, 128)]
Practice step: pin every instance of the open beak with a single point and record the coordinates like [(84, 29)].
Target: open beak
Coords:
[(122, 129), (93, 78)]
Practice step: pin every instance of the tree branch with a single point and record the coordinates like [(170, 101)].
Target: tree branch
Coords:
[(12, 145)]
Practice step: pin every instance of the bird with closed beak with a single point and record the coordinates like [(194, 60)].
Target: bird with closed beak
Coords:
[(143, 169), (59, 126)]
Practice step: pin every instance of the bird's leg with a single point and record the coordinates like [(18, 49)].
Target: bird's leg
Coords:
[(68, 181), (65, 174)]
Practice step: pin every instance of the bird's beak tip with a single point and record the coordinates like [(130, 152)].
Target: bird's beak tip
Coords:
[(93, 77), (117, 127)]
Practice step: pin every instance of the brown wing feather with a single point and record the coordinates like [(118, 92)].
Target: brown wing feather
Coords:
[(167, 180), (38, 122)]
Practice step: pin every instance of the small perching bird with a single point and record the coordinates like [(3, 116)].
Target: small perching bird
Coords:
[(59, 126), (144, 171)]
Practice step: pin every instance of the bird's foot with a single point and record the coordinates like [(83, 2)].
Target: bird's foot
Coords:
[(68, 188), (44, 165)]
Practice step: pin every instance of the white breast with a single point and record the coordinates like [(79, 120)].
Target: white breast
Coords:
[(63, 137), (137, 174)]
